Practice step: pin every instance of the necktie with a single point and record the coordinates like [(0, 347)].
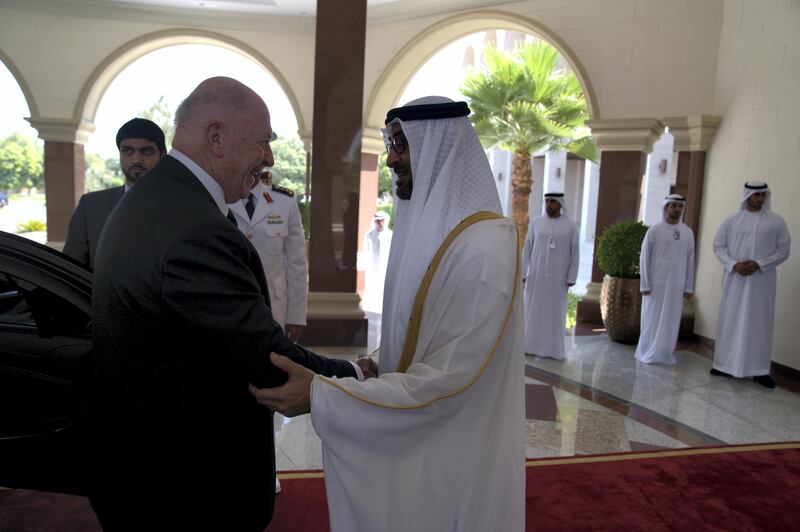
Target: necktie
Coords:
[(232, 218), (250, 206)]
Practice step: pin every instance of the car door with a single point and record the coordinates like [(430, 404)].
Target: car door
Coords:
[(45, 345)]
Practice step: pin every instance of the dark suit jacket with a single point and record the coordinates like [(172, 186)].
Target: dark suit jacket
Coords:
[(87, 222), (181, 325)]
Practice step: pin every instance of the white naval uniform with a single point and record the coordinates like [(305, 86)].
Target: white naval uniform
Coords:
[(277, 234), (666, 265), (743, 345), (550, 261)]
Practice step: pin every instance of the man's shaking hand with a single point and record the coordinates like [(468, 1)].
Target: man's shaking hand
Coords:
[(294, 397)]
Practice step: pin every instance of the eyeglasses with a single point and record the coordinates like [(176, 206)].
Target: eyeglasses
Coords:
[(396, 143)]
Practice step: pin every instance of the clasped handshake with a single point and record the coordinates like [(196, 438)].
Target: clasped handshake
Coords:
[(746, 267), (294, 397)]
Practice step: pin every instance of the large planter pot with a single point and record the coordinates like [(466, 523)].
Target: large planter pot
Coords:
[(621, 307)]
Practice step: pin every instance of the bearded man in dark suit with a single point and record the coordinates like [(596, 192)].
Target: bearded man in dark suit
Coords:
[(141, 145), (182, 324)]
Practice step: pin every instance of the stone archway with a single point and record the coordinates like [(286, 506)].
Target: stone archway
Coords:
[(102, 76), (23, 85), (401, 69), (65, 137)]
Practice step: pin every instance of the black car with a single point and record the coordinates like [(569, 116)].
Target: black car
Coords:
[(45, 345)]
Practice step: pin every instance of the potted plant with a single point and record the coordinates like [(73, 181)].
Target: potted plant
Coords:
[(618, 250)]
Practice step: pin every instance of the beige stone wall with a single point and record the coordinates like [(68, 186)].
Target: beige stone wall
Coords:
[(757, 94), (645, 58)]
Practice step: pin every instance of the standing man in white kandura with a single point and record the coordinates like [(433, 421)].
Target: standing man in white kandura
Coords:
[(666, 265), (270, 218), (750, 245), (374, 260), (550, 261), (437, 441)]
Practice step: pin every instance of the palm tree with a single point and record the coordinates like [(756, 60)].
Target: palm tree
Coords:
[(526, 102)]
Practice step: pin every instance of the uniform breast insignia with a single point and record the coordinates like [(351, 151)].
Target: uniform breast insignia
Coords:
[(268, 197), (283, 190), (274, 219)]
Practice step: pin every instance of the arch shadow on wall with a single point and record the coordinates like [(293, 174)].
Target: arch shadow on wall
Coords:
[(102, 76), (401, 69), (33, 109)]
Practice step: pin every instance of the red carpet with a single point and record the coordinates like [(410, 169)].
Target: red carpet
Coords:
[(748, 487), (753, 487)]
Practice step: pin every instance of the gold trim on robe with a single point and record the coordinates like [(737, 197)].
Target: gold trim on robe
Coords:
[(410, 342)]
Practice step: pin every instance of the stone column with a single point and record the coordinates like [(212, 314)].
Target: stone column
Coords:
[(624, 145), (555, 172), (693, 135), (371, 148), (64, 171), (334, 317)]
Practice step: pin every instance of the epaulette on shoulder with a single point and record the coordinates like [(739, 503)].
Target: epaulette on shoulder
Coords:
[(289, 192)]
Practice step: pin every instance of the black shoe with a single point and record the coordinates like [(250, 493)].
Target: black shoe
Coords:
[(765, 380), (719, 373)]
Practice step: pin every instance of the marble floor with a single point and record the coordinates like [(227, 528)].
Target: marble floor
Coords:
[(599, 399)]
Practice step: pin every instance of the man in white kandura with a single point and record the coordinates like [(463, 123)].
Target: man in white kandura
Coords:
[(270, 218), (666, 265), (750, 245), (437, 441), (550, 261), (375, 258)]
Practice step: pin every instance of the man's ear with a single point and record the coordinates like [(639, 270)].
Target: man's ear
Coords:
[(214, 136)]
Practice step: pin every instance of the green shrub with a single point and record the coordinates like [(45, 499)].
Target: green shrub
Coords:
[(30, 226), (618, 249), (305, 215), (572, 309)]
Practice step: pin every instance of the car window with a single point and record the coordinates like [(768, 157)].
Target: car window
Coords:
[(24, 303)]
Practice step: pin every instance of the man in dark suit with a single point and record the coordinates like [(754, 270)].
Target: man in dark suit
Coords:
[(182, 323), (141, 145)]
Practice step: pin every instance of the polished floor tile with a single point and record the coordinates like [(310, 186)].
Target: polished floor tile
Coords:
[(599, 400)]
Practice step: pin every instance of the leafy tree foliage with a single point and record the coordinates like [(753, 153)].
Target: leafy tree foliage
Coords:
[(290, 164), (161, 114), (525, 102), (102, 173), (21, 163)]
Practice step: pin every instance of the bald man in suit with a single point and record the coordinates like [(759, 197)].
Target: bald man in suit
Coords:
[(182, 324)]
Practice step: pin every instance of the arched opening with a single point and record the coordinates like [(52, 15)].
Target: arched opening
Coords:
[(401, 69), (105, 73), (22, 207), (178, 71), (179, 68), (436, 62)]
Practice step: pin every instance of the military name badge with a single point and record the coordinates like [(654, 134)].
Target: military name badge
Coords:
[(274, 219)]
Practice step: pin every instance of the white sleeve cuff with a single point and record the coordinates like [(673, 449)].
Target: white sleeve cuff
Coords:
[(359, 373)]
